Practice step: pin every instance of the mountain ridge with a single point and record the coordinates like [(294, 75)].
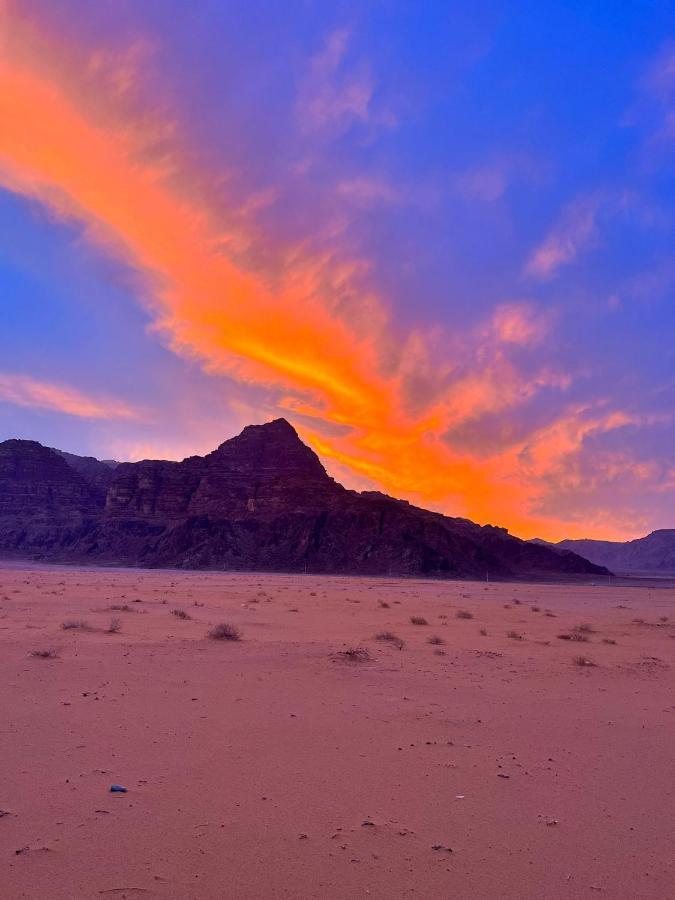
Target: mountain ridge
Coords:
[(260, 500)]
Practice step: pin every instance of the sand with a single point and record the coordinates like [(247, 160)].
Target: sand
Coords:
[(276, 767)]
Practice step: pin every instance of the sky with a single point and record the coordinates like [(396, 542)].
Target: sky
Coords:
[(437, 238)]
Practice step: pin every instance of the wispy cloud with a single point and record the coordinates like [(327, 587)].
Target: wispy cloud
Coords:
[(334, 94), (22, 390), (575, 231)]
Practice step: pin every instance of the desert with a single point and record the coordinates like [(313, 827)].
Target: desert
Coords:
[(470, 756)]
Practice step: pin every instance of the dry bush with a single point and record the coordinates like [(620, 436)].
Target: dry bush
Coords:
[(418, 620), (463, 614), (584, 628), (180, 614), (576, 636), (115, 626), (224, 632), (50, 653), (583, 661), (121, 607), (483, 631), (383, 604), (72, 624), (391, 638), (608, 641), (536, 609), (514, 635), (435, 639), (355, 654)]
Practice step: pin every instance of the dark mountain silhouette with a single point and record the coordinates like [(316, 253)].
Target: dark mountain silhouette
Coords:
[(654, 553), (261, 500)]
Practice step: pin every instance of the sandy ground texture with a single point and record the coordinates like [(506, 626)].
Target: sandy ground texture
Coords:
[(478, 760)]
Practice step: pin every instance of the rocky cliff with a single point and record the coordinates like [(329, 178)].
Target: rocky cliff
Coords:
[(261, 500)]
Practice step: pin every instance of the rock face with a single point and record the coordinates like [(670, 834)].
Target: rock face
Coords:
[(260, 501), (44, 502), (98, 474), (654, 553)]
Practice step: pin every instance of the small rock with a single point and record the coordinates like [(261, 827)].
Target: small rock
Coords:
[(441, 847)]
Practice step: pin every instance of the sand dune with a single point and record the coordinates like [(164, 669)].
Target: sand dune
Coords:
[(481, 765)]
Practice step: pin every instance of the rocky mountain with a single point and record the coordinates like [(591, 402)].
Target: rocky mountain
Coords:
[(654, 553), (260, 501)]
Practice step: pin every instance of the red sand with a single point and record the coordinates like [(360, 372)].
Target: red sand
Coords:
[(252, 768)]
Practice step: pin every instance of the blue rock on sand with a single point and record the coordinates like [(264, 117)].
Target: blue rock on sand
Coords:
[(117, 789)]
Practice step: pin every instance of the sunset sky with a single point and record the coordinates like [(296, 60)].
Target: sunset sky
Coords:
[(437, 237)]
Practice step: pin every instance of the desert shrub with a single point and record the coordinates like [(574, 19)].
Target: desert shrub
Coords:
[(391, 638), (576, 636), (584, 628), (122, 607), (463, 614), (72, 624), (383, 604), (115, 626), (355, 654), (418, 620), (49, 653), (583, 661), (483, 631), (225, 632), (435, 639), (514, 635), (608, 641), (536, 609), (180, 614)]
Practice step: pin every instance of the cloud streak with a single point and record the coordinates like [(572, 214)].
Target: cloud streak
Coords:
[(32, 393)]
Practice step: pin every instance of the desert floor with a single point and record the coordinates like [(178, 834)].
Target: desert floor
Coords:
[(480, 766)]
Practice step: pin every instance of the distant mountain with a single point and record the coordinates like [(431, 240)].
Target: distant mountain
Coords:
[(654, 553), (260, 501)]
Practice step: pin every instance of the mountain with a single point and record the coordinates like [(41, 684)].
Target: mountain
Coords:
[(260, 501), (654, 553)]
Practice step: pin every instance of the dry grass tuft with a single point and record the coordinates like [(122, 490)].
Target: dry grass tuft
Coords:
[(50, 653), (584, 661), (224, 632), (576, 636), (463, 614), (584, 628), (355, 654), (115, 626), (383, 604), (483, 631), (122, 607), (608, 641), (514, 635), (435, 639), (180, 614), (391, 638), (418, 620), (73, 624)]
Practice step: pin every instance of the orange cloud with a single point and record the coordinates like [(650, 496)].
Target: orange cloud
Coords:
[(82, 149), (21, 390)]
